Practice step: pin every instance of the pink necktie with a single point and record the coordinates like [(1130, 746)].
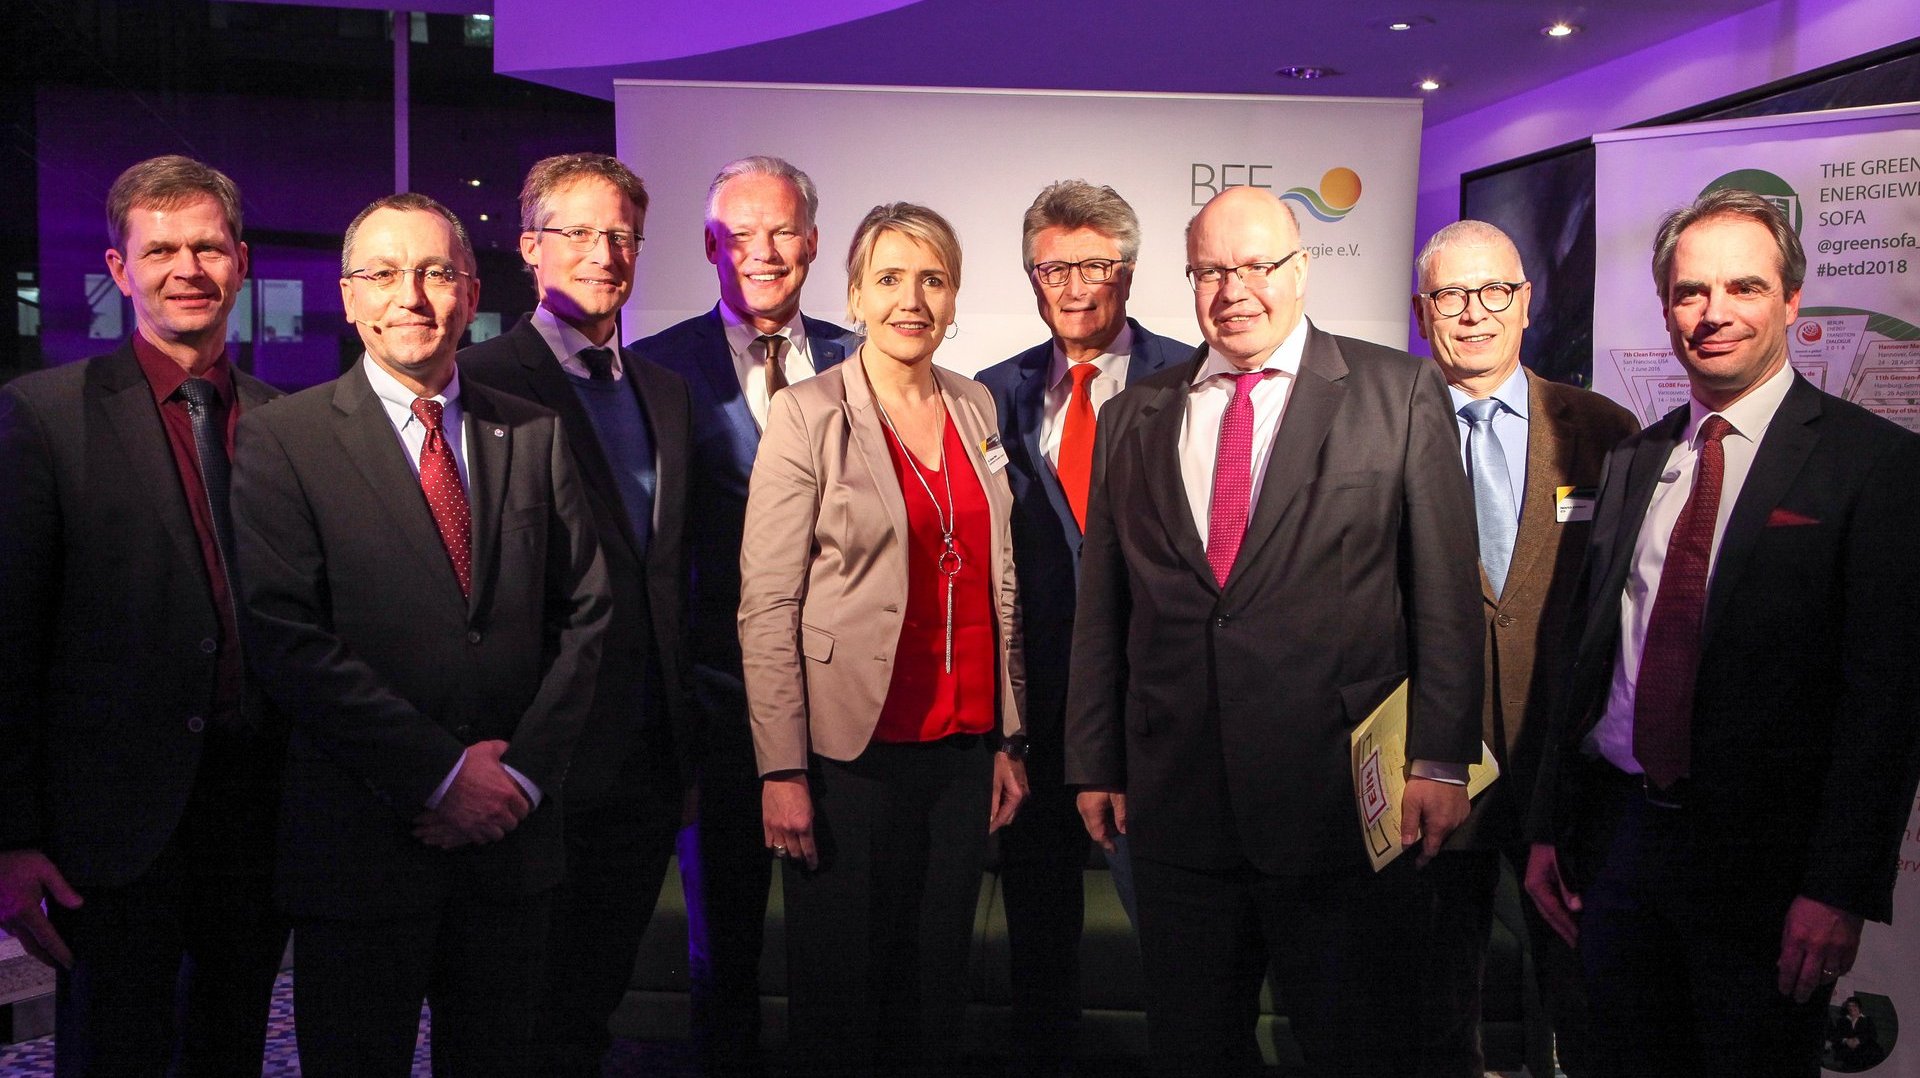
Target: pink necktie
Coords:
[(1232, 478), (446, 499)]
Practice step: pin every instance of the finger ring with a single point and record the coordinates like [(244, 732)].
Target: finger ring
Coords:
[(1829, 973), (779, 850)]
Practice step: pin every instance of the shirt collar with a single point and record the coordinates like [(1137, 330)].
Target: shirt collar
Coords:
[(1512, 394), (1122, 346), (1284, 360), (741, 334), (165, 377), (388, 388), (1750, 414), (566, 343)]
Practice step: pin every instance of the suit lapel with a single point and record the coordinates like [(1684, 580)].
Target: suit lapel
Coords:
[(1643, 475), (1029, 406), (489, 454), (670, 442), (1545, 451), (867, 433), (1295, 460), (1156, 443), (1789, 440), (127, 400), (367, 437), (826, 349)]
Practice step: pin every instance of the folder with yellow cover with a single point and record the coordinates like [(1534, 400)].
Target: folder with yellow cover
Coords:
[(1380, 775)]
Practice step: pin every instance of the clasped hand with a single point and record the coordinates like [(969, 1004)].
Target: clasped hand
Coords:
[(481, 805)]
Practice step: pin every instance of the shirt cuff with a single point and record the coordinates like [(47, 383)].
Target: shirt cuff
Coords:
[(1451, 774), (526, 784), (533, 792)]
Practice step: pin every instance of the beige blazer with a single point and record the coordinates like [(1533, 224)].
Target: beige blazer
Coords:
[(823, 570)]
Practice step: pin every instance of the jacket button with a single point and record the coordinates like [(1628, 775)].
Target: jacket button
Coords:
[(196, 724), (1504, 620), (473, 636), (1221, 621), (209, 646)]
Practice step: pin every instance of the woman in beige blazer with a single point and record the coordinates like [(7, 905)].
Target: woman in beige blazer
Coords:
[(879, 632)]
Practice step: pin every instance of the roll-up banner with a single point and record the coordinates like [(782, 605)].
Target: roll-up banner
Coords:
[(1849, 181), (1348, 166)]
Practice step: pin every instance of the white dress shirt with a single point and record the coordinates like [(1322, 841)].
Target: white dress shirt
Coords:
[(1112, 365), (1207, 401), (566, 343), (749, 358), (1612, 736), (1509, 425), (398, 400)]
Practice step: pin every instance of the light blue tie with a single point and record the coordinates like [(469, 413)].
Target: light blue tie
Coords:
[(1492, 491)]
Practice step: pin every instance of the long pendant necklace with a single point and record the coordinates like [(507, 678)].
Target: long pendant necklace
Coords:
[(949, 554)]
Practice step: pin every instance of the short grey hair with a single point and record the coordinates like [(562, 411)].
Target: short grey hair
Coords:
[(407, 201), (1467, 231), (1730, 202), (765, 165), (1072, 204)]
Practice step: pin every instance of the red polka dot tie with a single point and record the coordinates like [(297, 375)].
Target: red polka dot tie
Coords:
[(446, 499), (1232, 478)]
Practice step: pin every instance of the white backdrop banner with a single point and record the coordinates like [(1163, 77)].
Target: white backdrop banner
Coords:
[(1849, 180), (1349, 167)]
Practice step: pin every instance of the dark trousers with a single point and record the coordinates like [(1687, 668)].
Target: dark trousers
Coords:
[(1679, 955), (1459, 890), (618, 846), (1043, 858), (878, 936), (1338, 944), (476, 959), (726, 873), (175, 969)]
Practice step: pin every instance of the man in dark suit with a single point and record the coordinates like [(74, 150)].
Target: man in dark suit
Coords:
[(1079, 242), (1278, 536), (626, 420), (1532, 450), (760, 237), (1728, 778), (427, 602), (139, 774)]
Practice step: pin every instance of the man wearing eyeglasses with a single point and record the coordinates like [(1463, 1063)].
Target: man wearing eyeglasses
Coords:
[(1079, 243), (1278, 536), (1533, 451), (627, 423), (429, 601)]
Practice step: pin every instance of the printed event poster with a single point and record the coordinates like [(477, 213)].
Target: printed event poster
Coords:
[(1849, 181), (1380, 775)]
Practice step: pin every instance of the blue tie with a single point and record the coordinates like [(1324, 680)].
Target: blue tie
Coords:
[(1492, 491)]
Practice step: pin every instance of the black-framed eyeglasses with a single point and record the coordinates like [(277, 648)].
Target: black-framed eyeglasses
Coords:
[(1208, 278), (581, 238), (1092, 270), (1494, 296), (388, 278)]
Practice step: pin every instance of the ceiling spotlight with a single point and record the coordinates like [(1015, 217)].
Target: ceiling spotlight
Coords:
[(1305, 71), (484, 217), (1401, 24), (1428, 85), (1560, 29), (473, 183)]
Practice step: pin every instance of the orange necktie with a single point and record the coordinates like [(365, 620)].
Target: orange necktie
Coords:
[(1076, 442)]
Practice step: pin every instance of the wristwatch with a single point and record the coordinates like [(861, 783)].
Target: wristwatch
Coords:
[(1015, 746)]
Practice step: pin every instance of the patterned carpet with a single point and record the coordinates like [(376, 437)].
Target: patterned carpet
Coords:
[(34, 1059)]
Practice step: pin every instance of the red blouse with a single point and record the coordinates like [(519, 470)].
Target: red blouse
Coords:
[(924, 702)]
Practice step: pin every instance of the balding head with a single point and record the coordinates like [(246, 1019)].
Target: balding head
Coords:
[(1244, 316)]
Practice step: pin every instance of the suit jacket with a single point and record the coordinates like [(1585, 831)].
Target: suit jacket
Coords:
[(824, 566), (725, 440), (108, 632), (1569, 432), (1807, 701), (1224, 713), (1046, 537), (360, 633), (642, 686)]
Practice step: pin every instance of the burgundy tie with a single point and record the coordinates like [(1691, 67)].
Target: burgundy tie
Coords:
[(1670, 658), (440, 481), (1232, 478)]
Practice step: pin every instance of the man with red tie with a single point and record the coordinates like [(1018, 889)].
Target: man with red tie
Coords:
[(1080, 243), (1279, 533), (427, 599), (1731, 768)]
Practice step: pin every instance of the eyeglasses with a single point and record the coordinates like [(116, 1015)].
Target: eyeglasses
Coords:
[(388, 278), (1092, 270), (1494, 296), (581, 238), (1208, 278)]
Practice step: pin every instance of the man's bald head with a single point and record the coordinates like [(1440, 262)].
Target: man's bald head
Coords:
[(1245, 315)]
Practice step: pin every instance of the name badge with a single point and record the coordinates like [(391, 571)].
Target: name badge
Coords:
[(1573, 504), (995, 453)]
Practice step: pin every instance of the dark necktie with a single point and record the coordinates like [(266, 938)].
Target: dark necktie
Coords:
[(208, 413), (446, 499), (1492, 491), (774, 348), (1076, 441), (1670, 657), (1232, 478), (599, 363)]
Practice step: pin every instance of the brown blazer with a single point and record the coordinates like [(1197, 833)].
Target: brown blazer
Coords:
[(823, 566), (1569, 433)]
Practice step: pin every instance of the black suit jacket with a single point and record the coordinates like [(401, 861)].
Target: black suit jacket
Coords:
[(642, 683), (1225, 713), (359, 631), (1807, 702), (1046, 537), (108, 632), (725, 440)]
